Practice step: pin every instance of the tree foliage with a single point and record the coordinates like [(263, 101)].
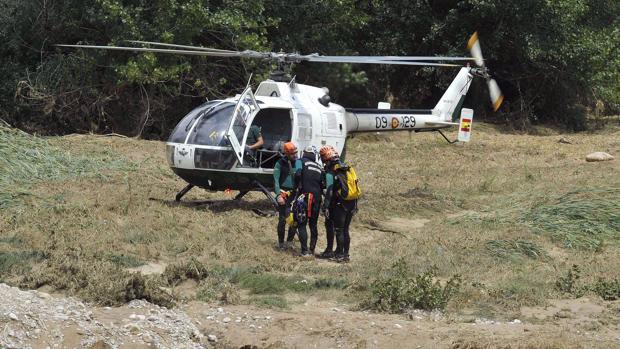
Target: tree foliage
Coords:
[(554, 60)]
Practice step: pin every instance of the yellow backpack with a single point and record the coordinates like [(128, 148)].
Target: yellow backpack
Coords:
[(349, 183)]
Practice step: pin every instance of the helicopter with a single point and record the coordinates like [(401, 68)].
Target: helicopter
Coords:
[(207, 148)]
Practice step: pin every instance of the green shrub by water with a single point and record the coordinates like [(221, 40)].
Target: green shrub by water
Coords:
[(398, 291)]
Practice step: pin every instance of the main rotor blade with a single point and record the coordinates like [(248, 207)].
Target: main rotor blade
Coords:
[(195, 48), (248, 54), (336, 59), (283, 57), (362, 59)]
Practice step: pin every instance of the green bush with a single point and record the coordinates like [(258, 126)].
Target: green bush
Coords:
[(325, 283), (398, 291), (609, 290), (217, 289), (19, 260), (568, 282), (273, 301), (191, 269), (126, 261)]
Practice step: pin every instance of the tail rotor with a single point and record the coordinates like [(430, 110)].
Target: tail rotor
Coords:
[(473, 45)]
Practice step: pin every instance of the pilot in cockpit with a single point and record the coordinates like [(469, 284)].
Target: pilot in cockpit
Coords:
[(253, 143)]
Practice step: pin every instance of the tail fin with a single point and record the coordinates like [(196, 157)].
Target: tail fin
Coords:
[(452, 100)]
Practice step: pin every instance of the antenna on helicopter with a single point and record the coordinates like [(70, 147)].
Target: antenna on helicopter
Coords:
[(249, 81), (292, 83)]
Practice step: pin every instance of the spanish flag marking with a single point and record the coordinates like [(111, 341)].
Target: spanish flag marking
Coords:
[(466, 125)]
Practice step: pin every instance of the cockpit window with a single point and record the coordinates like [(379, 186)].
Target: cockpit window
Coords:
[(179, 133), (211, 127)]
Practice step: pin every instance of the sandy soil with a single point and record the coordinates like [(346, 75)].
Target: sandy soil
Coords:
[(31, 319)]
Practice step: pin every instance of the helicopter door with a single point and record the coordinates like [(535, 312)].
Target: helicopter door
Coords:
[(244, 113)]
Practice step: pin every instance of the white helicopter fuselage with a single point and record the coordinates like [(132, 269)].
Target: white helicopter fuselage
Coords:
[(208, 147)]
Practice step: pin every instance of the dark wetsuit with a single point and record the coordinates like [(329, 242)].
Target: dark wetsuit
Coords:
[(309, 181), (340, 211), (284, 180)]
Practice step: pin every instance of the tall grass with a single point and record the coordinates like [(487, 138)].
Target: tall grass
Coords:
[(581, 218), (27, 159), (515, 249)]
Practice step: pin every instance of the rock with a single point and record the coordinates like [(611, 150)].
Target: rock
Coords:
[(484, 322), (133, 329), (565, 140), (563, 314), (598, 156), (196, 334), (398, 326), (12, 316), (43, 295), (100, 344), (220, 310), (212, 338), (226, 320), (515, 321)]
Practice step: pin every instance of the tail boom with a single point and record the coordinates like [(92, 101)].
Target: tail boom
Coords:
[(381, 120), (445, 114)]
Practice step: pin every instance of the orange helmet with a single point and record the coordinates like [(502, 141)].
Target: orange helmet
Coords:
[(327, 153), (290, 148)]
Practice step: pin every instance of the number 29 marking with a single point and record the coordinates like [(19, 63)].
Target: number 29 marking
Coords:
[(382, 122)]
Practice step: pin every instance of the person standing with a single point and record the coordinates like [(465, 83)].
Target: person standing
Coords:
[(341, 198), (309, 184), (327, 153), (284, 183)]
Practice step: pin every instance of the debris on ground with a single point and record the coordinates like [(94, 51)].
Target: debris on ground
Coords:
[(598, 156)]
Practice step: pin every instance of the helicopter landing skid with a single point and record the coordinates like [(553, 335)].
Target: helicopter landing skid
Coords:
[(240, 195), (183, 192), (269, 197)]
